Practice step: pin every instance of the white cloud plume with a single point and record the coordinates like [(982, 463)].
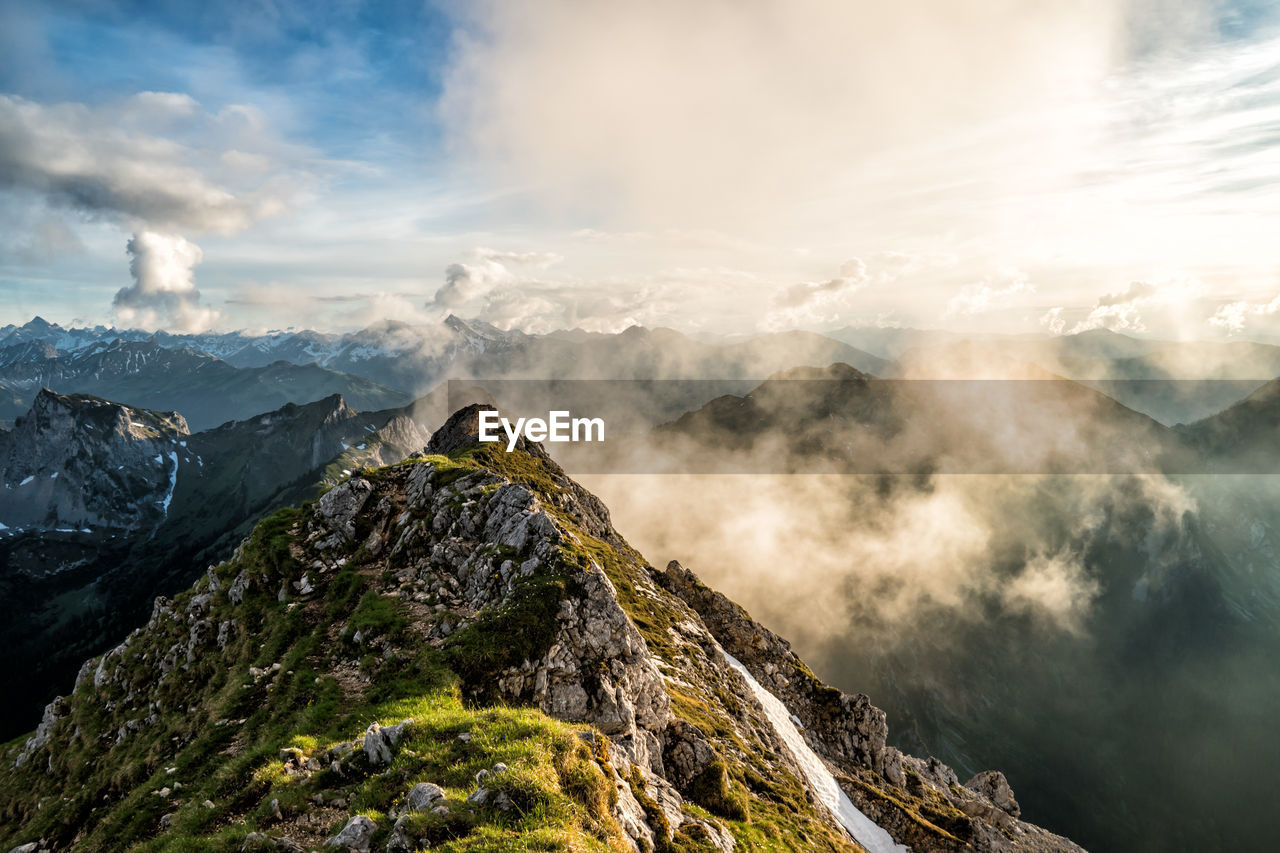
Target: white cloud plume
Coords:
[(163, 293)]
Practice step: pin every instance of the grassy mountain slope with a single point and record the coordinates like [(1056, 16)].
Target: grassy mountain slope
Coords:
[(559, 692)]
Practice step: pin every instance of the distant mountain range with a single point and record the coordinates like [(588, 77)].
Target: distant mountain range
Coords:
[(416, 358), (146, 374), (390, 362)]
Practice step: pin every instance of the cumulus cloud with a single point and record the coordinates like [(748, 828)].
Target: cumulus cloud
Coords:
[(983, 296), (1234, 316), (155, 164), (163, 293)]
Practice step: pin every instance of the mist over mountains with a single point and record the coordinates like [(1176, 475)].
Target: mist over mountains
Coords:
[(1103, 638)]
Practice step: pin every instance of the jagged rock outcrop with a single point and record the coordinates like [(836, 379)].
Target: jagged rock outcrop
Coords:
[(439, 597)]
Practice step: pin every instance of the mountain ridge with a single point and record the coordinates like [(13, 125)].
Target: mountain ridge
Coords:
[(475, 606), (168, 502)]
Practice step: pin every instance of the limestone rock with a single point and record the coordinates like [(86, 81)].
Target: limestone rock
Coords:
[(380, 742), (424, 795), (992, 785), (356, 836)]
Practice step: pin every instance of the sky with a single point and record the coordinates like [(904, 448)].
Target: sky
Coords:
[(725, 167)]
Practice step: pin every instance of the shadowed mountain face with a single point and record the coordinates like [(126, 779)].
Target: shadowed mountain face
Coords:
[(1105, 640), (106, 506), (531, 680), (1242, 436), (82, 464)]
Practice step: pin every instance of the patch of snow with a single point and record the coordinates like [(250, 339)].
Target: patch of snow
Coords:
[(159, 458), (182, 444), (863, 829), (27, 480), (173, 483), (3, 526), (359, 447), (53, 476)]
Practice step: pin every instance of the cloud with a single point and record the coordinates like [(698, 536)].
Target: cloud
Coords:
[(882, 561), (747, 116), (163, 293), (1053, 321), (506, 289), (853, 275), (30, 234), (985, 295), (1055, 588), (816, 302), (469, 284), (125, 162), (1234, 316), (1124, 311)]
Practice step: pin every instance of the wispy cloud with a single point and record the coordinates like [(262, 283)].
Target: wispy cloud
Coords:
[(116, 162), (983, 296)]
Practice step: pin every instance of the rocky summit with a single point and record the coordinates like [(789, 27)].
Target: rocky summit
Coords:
[(459, 652)]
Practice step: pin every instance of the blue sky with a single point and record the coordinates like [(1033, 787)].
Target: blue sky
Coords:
[(722, 168)]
